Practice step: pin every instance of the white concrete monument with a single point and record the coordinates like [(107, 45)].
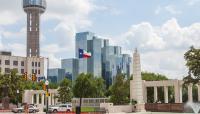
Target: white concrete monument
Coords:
[(136, 85)]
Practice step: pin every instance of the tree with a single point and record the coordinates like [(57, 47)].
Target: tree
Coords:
[(148, 76), (192, 57), (83, 87), (99, 87), (14, 82), (120, 90), (64, 91)]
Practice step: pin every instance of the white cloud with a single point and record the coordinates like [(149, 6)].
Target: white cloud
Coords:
[(162, 47), (192, 2), (158, 10), (11, 12), (70, 16), (171, 9)]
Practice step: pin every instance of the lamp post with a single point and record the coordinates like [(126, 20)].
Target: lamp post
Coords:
[(17, 97), (47, 94)]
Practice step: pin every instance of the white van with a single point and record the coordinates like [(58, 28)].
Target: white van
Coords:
[(61, 108)]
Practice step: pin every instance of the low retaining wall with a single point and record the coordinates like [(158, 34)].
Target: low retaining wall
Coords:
[(116, 108), (164, 107)]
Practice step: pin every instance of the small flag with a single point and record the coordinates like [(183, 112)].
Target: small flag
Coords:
[(84, 54)]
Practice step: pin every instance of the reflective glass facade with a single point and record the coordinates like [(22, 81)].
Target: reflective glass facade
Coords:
[(114, 62), (82, 43), (56, 74), (71, 68), (106, 61), (94, 63)]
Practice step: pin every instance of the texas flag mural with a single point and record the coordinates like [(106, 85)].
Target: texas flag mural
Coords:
[(84, 54)]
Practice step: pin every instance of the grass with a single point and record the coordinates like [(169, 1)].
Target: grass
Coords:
[(86, 109)]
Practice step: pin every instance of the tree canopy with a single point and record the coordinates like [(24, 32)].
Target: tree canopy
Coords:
[(148, 76), (65, 91), (83, 87), (120, 90), (192, 57)]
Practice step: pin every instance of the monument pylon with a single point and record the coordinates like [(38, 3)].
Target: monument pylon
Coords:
[(136, 85)]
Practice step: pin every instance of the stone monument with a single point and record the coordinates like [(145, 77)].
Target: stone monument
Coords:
[(136, 85)]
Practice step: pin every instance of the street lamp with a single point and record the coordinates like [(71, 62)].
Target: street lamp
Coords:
[(47, 94), (17, 97)]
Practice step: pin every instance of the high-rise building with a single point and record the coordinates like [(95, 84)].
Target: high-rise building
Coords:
[(89, 42), (114, 62), (106, 61), (71, 68), (56, 75), (82, 43), (33, 8), (94, 62)]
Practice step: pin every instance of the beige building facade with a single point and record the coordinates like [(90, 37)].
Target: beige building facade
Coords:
[(37, 65)]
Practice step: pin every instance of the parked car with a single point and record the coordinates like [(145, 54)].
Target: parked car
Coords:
[(31, 109), (61, 108)]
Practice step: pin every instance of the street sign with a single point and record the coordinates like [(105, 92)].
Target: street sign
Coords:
[(46, 82)]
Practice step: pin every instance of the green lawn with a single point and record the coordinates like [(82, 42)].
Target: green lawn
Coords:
[(85, 109)]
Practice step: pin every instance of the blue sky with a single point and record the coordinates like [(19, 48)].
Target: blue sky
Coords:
[(162, 30)]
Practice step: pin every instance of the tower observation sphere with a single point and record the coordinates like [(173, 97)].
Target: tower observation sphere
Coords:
[(33, 8)]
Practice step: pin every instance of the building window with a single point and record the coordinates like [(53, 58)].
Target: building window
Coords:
[(7, 62), (35, 71), (15, 63), (38, 64), (38, 71), (0, 62), (32, 71), (33, 64), (22, 71), (7, 70), (22, 63)]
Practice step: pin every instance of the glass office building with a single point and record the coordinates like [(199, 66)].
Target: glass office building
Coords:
[(106, 61), (89, 42), (82, 43), (56, 75), (94, 63), (113, 63), (71, 68)]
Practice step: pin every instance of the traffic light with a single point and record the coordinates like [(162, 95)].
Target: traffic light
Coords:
[(25, 76), (34, 77), (44, 87)]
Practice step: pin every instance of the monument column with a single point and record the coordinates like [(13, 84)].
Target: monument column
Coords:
[(155, 94), (32, 98), (198, 86), (136, 85), (166, 94), (53, 99), (145, 93), (42, 99), (190, 99), (181, 94), (37, 97), (177, 92)]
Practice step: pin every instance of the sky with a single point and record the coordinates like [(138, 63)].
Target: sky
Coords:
[(162, 30)]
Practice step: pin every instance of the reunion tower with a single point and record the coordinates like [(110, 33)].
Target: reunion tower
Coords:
[(33, 8)]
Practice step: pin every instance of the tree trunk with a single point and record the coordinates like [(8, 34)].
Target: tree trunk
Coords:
[(80, 103)]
